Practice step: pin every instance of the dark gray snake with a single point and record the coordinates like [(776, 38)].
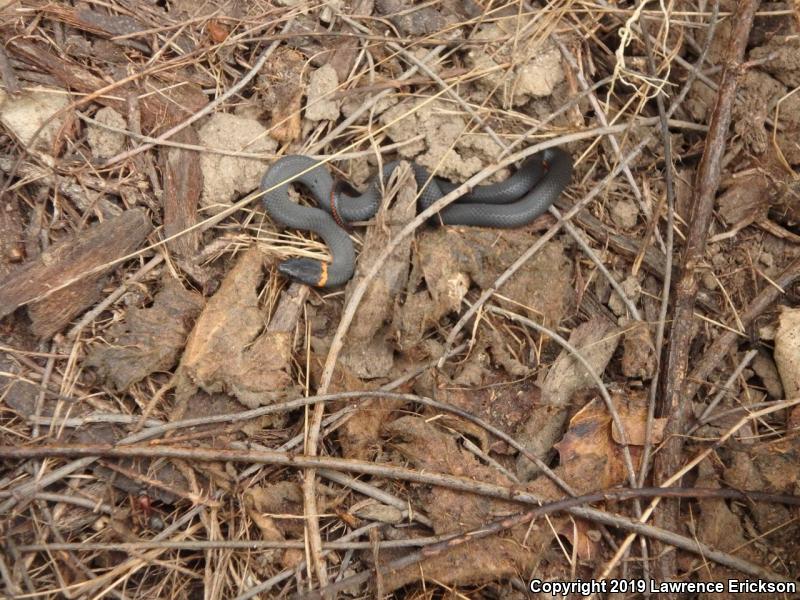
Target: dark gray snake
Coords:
[(515, 202)]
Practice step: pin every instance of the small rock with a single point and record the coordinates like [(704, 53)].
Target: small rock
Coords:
[(104, 142), (327, 13), (638, 352), (624, 213), (632, 290), (226, 177), (709, 281), (538, 67), (422, 21), (442, 149), (25, 113), (765, 368), (319, 105), (538, 77)]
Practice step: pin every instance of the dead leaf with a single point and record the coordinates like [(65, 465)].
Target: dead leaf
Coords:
[(719, 527), (148, 339), (590, 454), (218, 31), (742, 471), (596, 340), (633, 415), (283, 86), (581, 534), (588, 457), (370, 510), (265, 504), (229, 350), (430, 449)]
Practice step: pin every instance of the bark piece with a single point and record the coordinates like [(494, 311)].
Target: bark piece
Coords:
[(183, 183), (71, 259), (169, 106), (68, 186)]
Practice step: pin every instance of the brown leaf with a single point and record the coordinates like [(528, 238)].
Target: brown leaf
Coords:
[(229, 351), (596, 340), (217, 31), (428, 448), (721, 528), (284, 88), (284, 498), (633, 415), (590, 455), (583, 537), (743, 471), (148, 339)]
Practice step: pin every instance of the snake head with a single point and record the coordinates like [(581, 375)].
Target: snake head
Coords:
[(305, 270)]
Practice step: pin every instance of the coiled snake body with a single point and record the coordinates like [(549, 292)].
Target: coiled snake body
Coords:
[(518, 200)]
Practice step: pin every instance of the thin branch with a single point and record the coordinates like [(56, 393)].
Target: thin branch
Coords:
[(676, 405)]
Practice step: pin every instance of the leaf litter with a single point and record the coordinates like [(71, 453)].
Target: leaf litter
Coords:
[(138, 290)]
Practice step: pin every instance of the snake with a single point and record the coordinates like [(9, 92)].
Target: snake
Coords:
[(511, 203)]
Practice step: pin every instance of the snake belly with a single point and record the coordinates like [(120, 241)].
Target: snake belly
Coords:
[(514, 202)]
